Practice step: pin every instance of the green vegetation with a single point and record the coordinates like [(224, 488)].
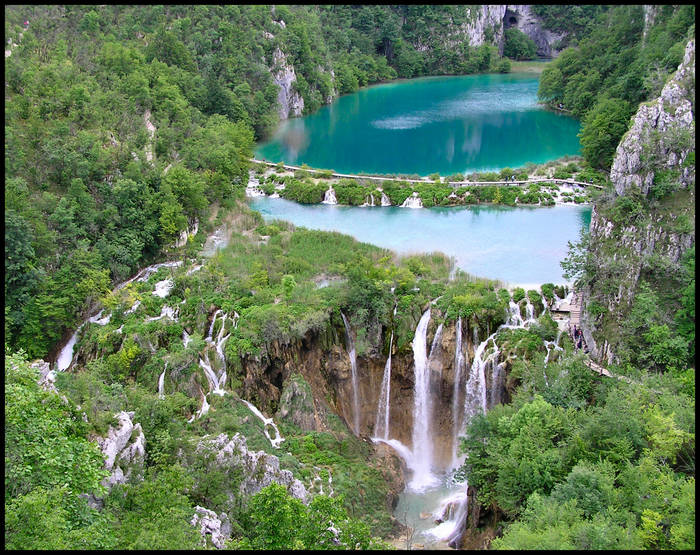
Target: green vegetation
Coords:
[(615, 67), (518, 45)]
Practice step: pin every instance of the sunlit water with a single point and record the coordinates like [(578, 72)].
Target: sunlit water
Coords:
[(517, 245), (426, 125)]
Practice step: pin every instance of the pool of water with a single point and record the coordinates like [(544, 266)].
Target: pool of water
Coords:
[(518, 245), (426, 125)]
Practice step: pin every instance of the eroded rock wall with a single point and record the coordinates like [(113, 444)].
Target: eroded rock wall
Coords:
[(660, 142)]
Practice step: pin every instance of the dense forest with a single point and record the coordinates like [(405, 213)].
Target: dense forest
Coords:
[(128, 134), (624, 60)]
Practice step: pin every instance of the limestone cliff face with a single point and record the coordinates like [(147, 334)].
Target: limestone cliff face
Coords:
[(659, 145), (524, 18), (322, 359), (290, 101), (488, 19)]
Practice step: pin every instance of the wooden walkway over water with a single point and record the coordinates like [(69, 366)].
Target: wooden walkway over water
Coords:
[(426, 180)]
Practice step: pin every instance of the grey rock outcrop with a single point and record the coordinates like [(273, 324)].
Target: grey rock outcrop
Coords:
[(124, 447), (654, 127), (259, 468), (486, 17), (218, 527), (47, 377), (661, 138), (284, 76)]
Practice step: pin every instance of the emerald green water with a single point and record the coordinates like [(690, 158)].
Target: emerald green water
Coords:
[(519, 245), (426, 125)]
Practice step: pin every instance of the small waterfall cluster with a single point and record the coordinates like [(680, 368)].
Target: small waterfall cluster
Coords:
[(413, 201), (329, 196)]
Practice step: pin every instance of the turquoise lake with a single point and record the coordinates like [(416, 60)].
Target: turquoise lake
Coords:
[(432, 124), (519, 245)]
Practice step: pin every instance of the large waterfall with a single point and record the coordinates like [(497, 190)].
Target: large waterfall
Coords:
[(353, 369), (422, 441)]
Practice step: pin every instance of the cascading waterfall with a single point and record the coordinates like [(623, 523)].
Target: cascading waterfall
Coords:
[(385, 200), (211, 375), (475, 399), (413, 201), (329, 196), (266, 422), (65, 356), (353, 369), (422, 444), (186, 338), (529, 310)]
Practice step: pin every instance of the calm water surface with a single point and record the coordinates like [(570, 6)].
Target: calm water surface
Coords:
[(426, 125), (521, 245)]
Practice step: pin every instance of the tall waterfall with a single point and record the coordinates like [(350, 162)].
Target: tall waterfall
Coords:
[(329, 196), (433, 346), (381, 426), (161, 383), (456, 413), (353, 369), (422, 444)]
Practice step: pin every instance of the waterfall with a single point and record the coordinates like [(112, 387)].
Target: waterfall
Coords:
[(385, 200), (211, 327), (413, 201), (266, 422), (436, 340), (453, 514), (422, 444), (186, 338), (514, 318), (475, 399), (353, 368), (529, 310), (459, 364), (381, 426), (65, 357), (161, 383), (404, 452), (329, 196)]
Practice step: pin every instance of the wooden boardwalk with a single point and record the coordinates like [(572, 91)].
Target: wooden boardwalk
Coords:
[(454, 184)]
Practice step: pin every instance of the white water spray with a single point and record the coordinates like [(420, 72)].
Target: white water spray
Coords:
[(267, 422), (353, 369), (422, 444), (329, 196)]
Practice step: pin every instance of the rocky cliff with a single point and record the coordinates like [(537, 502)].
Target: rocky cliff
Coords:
[(642, 229), (523, 17)]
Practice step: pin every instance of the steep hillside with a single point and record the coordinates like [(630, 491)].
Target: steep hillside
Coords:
[(637, 276)]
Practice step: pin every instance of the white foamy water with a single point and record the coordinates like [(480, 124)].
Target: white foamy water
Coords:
[(353, 375)]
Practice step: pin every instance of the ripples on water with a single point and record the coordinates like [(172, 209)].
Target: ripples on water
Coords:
[(426, 125)]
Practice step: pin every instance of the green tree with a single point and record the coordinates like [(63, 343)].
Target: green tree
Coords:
[(602, 130)]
